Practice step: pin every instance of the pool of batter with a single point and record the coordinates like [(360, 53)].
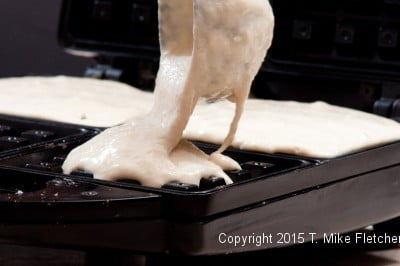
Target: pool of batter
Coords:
[(209, 48)]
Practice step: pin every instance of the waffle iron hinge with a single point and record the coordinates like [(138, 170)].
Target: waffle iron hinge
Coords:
[(139, 73), (389, 103), (103, 71)]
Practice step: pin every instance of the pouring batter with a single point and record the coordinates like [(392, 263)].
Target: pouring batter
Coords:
[(209, 48)]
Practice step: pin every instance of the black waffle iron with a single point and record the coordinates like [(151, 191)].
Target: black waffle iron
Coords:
[(346, 52)]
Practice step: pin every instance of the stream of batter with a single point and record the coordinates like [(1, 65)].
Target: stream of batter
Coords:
[(209, 48)]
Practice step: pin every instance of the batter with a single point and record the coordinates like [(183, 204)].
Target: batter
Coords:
[(316, 129), (309, 129), (84, 101), (209, 48)]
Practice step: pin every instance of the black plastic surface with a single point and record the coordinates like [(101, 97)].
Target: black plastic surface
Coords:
[(368, 198), (34, 197), (18, 133), (264, 177), (83, 212), (122, 28), (348, 35), (136, 235), (343, 35), (342, 206), (48, 160)]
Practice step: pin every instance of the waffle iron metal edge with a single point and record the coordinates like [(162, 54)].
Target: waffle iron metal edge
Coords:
[(307, 195)]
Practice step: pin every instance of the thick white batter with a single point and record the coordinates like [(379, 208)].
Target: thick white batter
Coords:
[(73, 100), (315, 129), (209, 48), (310, 129)]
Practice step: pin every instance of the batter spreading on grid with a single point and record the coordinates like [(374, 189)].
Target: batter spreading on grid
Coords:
[(209, 48)]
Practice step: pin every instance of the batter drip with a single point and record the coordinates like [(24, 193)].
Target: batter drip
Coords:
[(209, 48)]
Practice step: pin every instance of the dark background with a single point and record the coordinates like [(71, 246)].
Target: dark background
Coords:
[(28, 40)]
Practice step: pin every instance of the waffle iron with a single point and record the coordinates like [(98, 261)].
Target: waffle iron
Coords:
[(346, 52)]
